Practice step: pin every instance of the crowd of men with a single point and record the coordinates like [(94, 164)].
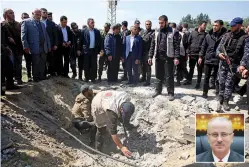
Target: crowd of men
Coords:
[(50, 49)]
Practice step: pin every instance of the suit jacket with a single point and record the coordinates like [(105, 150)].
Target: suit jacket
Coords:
[(30, 36), (136, 48), (84, 41), (52, 32), (113, 45), (208, 157), (60, 35)]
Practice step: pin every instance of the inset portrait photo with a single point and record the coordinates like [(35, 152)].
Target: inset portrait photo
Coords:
[(220, 138)]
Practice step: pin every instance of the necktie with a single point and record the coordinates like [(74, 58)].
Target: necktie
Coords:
[(220, 160)]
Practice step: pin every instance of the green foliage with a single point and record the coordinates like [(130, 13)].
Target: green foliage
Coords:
[(246, 21), (194, 22)]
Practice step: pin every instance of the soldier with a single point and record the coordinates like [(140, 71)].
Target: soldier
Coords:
[(146, 68), (233, 43), (50, 16), (102, 58), (166, 48)]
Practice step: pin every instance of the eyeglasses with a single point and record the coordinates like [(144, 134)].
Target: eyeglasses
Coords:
[(223, 135)]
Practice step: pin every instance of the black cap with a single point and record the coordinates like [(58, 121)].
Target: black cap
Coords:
[(73, 24), (107, 25), (50, 13), (125, 23), (137, 22), (128, 109)]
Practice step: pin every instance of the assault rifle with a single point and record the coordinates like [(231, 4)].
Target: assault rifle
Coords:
[(223, 50)]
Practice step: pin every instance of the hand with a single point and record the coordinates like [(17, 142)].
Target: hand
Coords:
[(245, 73), (241, 69), (55, 47), (126, 152), (110, 58), (27, 50), (10, 51), (199, 60), (69, 43), (150, 61), (78, 52), (222, 56), (101, 53), (11, 40), (137, 61), (176, 61), (64, 44)]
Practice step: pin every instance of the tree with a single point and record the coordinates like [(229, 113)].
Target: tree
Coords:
[(194, 22), (188, 19), (246, 21)]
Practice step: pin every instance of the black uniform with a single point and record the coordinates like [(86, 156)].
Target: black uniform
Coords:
[(194, 46), (167, 48), (208, 54), (6, 64), (124, 34), (146, 68)]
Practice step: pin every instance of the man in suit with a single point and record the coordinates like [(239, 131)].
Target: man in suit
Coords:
[(52, 33), (36, 42), (220, 137), (14, 35), (90, 45), (132, 55), (64, 47)]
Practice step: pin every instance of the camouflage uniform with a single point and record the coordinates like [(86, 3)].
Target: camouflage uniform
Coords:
[(234, 45)]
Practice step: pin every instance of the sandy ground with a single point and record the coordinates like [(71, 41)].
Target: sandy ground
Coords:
[(39, 143)]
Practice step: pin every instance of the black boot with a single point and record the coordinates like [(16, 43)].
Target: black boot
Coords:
[(178, 83), (226, 105), (204, 95), (171, 97), (220, 102), (197, 86), (187, 82), (143, 79), (2, 93), (74, 75), (159, 87), (99, 79), (124, 78)]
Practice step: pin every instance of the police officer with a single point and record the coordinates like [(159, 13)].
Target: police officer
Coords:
[(194, 46), (166, 48), (76, 35), (233, 43), (102, 58), (146, 68)]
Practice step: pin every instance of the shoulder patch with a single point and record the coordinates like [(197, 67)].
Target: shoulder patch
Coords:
[(108, 94)]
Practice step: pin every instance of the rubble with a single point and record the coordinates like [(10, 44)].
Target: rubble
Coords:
[(185, 156)]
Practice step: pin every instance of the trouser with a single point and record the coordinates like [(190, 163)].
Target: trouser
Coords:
[(62, 68), (208, 70), (73, 64), (112, 69), (6, 72), (39, 65), (90, 65), (51, 63), (102, 61), (125, 70), (80, 65), (165, 68), (192, 62), (132, 69), (248, 93), (243, 89), (181, 69), (226, 82), (28, 60), (146, 68), (17, 65)]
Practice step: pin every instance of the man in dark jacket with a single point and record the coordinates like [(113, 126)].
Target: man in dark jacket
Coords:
[(125, 32), (14, 35), (208, 53), (194, 46), (102, 58), (146, 68), (73, 56), (166, 48), (113, 50), (233, 42), (52, 33)]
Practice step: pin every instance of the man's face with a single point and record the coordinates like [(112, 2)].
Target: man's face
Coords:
[(37, 14), (64, 23), (137, 25), (203, 26), (123, 27), (106, 29), (134, 30), (44, 14), (116, 31), (220, 136), (25, 16), (216, 27), (148, 25), (75, 29), (162, 23), (50, 17), (91, 23), (235, 28), (10, 15)]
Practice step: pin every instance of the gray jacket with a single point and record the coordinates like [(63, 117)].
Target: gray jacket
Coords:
[(30, 36)]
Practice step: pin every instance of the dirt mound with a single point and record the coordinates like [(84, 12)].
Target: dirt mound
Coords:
[(38, 142)]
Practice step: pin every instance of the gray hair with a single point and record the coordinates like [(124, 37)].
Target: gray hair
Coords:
[(219, 119), (5, 12)]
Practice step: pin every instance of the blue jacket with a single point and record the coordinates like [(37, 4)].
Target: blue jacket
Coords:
[(113, 45), (30, 36), (136, 48), (84, 41)]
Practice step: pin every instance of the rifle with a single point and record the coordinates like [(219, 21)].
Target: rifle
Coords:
[(223, 50)]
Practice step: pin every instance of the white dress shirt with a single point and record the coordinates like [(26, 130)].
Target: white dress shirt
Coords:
[(92, 39), (225, 159), (65, 35), (131, 42)]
